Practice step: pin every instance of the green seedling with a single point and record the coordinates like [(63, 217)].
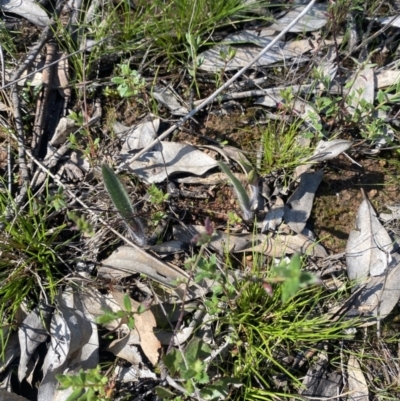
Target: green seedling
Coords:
[(156, 196), (88, 385), (127, 316), (130, 83)]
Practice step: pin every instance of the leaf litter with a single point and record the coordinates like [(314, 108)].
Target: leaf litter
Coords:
[(283, 210)]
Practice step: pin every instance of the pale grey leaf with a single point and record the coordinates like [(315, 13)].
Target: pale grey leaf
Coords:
[(395, 215), (275, 246), (126, 348), (167, 158), (212, 61), (319, 382), (31, 333), (363, 89), (299, 205), (327, 150), (393, 20), (94, 303), (380, 294), (386, 78), (65, 127), (28, 9), (11, 352), (140, 136), (315, 19), (6, 396), (169, 99), (168, 247), (358, 387), (274, 216), (368, 246), (80, 329), (298, 107), (56, 356), (120, 265)]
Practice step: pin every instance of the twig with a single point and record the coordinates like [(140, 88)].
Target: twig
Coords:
[(42, 102), (211, 98), (29, 59), (16, 80)]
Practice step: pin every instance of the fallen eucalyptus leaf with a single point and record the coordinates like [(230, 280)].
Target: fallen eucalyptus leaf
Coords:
[(11, 351), (133, 374), (167, 158), (319, 382), (327, 150), (31, 333), (64, 128), (138, 137), (395, 215), (56, 356), (275, 246), (393, 20), (380, 294), (299, 107), (126, 348), (386, 78), (212, 61), (119, 265), (274, 216), (315, 19), (363, 89), (358, 387), (28, 9), (368, 246), (298, 207), (145, 323), (167, 98)]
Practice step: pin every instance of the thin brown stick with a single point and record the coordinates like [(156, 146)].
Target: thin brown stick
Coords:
[(42, 102)]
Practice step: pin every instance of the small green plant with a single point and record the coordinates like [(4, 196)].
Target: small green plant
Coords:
[(30, 247), (292, 277), (122, 203), (190, 367), (244, 201), (130, 83), (81, 224), (87, 386), (156, 196), (127, 316)]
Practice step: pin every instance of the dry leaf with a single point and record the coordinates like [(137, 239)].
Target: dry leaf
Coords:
[(28, 9), (145, 323), (315, 19), (327, 150), (139, 137), (358, 387), (274, 216), (167, 158), (368, 246), (31, 333), (363, 88), (299, 205), (380, 295)]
